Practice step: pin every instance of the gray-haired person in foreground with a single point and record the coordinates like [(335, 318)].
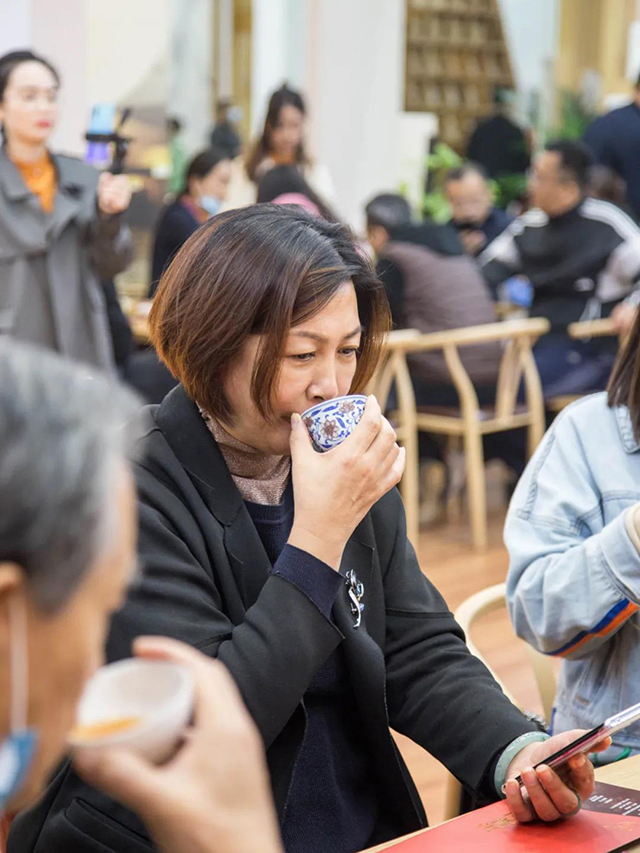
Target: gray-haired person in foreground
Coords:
[(67, 554)]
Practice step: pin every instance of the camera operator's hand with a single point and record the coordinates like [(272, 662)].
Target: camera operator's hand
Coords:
[(213, 796), (114, 194)]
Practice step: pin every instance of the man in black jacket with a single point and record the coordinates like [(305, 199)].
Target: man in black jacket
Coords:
[(581, 255)]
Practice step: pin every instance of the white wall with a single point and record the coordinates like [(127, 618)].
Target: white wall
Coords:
[(15, 25), (269, 54), (355, 88), (189, 42), (126, 43), (279, 51), (531, 28)]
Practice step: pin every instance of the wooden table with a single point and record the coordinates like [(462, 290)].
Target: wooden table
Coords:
[(625, 773), (140, 329), (137, 313)]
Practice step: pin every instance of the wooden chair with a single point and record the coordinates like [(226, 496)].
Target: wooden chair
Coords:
[(483, 602), (582, 331), (470, 422)]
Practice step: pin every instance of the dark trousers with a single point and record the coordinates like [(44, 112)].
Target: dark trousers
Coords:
[(574, 367)]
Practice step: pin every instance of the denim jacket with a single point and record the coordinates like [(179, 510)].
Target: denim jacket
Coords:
[(573, 588)]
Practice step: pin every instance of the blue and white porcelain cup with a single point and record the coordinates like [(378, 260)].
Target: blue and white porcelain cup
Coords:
[(329, 423)]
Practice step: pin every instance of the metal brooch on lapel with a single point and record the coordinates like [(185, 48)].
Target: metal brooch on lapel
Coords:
[(355, 590)]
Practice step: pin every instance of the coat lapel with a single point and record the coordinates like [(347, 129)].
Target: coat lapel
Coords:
[(248, 559), (187, 434), (27, 217), (71, 198)]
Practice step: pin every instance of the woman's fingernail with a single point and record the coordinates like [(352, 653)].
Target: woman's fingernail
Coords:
[(295, 419)]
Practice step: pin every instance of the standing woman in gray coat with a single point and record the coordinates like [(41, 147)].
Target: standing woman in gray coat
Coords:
[(60, 224)]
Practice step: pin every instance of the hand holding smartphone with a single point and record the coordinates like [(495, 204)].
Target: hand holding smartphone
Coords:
[(611, 725)]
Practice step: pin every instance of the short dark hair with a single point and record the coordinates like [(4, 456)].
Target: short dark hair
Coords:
[(10, 61), (289, 179), (458, 173), (258, 270), (576, 160), (61, 429), (201, 165), (624, 383), (388, 210)]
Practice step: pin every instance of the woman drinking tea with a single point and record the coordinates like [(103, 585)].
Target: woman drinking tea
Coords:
[(252, 542)]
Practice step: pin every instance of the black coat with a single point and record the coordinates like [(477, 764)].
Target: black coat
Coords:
[(207, 581), (174, 227)]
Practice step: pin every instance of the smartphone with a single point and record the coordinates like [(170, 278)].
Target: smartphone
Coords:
[(582, 744)]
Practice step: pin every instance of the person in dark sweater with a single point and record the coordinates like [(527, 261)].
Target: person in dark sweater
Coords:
[(202, 196), (287, 185), (582, 257), (615, 142), (498, 143), (432, 285), (473, 214), (292, 567), (224, 136)]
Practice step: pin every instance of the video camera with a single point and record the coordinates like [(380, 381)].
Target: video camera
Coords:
[(113, 137)]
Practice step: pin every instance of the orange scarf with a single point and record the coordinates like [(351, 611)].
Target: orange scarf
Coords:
[(40, 178)]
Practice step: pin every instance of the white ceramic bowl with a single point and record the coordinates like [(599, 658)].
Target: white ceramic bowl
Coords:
[(159, 693), (329, 423)]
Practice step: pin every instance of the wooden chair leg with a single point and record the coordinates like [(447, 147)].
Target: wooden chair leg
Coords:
[(476, 487), (456, 489), (453, 796), (410, 485)]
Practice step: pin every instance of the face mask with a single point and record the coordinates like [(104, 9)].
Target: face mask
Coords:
[(18, 749), (234, 114), (211, 204)]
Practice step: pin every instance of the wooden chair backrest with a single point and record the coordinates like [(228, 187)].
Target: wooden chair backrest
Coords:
[(517, 363)]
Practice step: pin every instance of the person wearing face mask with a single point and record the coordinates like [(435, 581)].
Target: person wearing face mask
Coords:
[(292, 567), (202, 196), (67, 554), (61, 229)]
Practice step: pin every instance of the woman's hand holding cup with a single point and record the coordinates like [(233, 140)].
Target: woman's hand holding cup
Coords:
[(334, 491)]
